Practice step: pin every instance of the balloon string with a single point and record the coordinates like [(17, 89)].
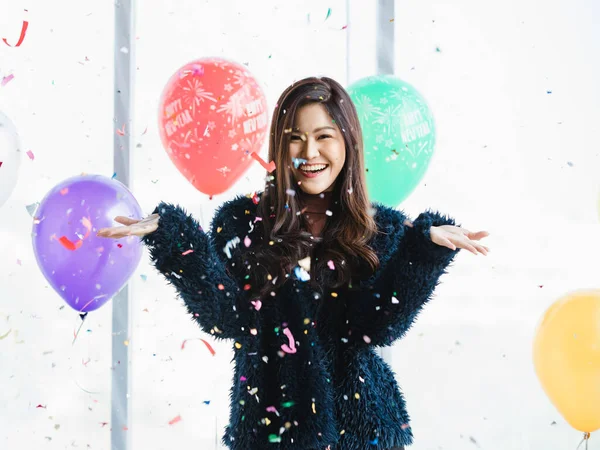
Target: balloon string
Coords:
[(83, 317), (586, 437)]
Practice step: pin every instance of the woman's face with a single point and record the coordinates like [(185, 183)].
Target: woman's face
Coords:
[(318, 141)]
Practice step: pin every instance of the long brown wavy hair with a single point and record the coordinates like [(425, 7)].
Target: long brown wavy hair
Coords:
[(348, 230)]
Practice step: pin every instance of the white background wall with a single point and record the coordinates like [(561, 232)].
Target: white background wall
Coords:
[(514, 89)]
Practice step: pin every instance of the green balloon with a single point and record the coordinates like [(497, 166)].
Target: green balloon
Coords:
[(398, 134)]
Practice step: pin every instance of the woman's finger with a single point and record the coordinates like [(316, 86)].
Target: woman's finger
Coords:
[(448, 243), (125, 220), (466, 244)]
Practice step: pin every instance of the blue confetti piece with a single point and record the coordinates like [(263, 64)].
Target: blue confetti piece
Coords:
[(301, 274), (143, 277), (374, 441), (206, 402), (298, 162)]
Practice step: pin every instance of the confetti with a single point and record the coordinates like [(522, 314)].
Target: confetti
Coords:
[(121, 132), (70, 245), (5, 80), (208, 346), (175, 420), (269, 167), (22, 37), (298, 162), (395, 301), (291, 349), (330, 265), (187, 252), (247, 241), (5, 335), (273, 410), (143, 277), (257, 304), (301, 274), (30, 154)]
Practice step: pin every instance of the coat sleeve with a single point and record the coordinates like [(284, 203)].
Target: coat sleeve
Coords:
[(383, 310), (188, 259)]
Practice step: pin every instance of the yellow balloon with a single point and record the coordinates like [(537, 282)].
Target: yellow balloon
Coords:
[(566, 356)]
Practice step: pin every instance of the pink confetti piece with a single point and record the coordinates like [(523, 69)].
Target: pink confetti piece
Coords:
[(187, 252), (243, 378), (367, 339), (257, 304), (175, 420), (121, 132), (247, 241), (330, 265), (5, 80), (30, 154), (19, 262), (273, 410), (291, 348)]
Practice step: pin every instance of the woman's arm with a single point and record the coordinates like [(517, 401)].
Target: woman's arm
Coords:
[(187, 257), (383, 309)]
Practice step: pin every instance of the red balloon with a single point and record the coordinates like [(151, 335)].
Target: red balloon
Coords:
[(213, 116)]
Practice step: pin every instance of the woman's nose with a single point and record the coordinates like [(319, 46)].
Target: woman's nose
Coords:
[(311, 149)]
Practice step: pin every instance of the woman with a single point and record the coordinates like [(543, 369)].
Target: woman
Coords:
[(307, 279)]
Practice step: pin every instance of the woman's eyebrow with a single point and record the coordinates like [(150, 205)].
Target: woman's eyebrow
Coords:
[(297, 130)]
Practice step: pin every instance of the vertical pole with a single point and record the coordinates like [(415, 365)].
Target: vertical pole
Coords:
[(124, 70), (385, 37), (385, 66)]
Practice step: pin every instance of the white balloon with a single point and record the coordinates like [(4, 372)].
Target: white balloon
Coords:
[(10, 157)]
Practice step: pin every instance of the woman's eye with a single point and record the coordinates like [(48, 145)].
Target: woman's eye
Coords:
[(324, 136), (295, 138)]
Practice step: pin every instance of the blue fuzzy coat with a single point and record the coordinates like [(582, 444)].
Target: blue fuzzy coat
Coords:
[(334, 392)]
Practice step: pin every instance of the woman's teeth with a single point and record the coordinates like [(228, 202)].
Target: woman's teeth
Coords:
[(313, 168)]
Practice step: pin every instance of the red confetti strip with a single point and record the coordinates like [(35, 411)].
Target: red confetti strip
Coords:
[(0, 163), (269, 167), (175, 420), (121, 132), (22, 37), (208, 346), (41, 406), (70, 245), (187, 252)]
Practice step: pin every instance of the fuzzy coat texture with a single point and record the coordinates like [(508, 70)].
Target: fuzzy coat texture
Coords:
[(329, 390)]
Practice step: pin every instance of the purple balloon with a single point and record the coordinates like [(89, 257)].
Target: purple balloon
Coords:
[(85, 270)]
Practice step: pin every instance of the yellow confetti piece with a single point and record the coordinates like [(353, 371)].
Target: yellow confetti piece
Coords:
[(126, 343), (357, 396), (334, 294), (267, 421), (306, 321), (238, 345), (342, 432), (219, 229), (314, 409), (5, 335)]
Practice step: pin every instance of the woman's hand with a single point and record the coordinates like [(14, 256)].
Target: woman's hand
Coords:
[(132, 227), (457, 237)]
